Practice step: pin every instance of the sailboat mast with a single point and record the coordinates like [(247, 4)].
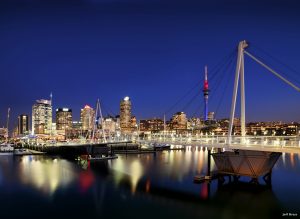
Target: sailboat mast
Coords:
[(94, 121), (164, 126), (102, 122), (7, 123)]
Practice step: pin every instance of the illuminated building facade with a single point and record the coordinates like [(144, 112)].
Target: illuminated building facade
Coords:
[(125, 115), (179, 121), (63, 119), (194, 123), (87, 117), (133, 124), (42, 117), (110, 125), (23, 124), (76, 131), (3, 133), (151, 125), (76, 125)]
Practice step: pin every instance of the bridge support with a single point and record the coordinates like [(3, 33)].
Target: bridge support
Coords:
[(239, 72), (208, 173)]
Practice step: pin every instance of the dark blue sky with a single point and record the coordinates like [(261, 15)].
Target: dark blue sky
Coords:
[(152, 51)]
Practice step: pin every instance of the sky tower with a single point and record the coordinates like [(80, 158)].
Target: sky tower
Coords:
[(205, 92)]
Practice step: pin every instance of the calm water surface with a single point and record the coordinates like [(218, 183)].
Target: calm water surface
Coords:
[(139, 186)]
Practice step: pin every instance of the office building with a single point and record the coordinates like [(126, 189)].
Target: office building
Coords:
[(133, 123), (125, 115), (87, 118), (42, 117), (110, 125), (63, 119), (23, 124), (151, 125)]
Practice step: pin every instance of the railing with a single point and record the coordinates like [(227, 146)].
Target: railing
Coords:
[(248, 141)]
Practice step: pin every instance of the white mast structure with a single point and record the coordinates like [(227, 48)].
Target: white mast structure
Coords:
[(7, 123), (98, 109), (164, 127), (240, 72), (51, 131)]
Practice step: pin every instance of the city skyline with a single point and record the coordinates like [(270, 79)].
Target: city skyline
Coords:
[(160, 53), (149, 109)]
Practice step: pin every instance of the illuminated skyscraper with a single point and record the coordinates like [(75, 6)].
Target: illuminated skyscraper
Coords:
[(42, 117), (23, 124), (63, 118), (125, 115), (87, 117)]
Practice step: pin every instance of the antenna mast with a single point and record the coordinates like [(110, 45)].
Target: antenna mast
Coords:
[(7, 123)]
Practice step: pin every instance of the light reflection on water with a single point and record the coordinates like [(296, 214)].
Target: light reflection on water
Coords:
[(134, 171), (45, 175), (167, 175)]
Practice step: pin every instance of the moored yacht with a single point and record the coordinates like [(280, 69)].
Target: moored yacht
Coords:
[(6, 149)]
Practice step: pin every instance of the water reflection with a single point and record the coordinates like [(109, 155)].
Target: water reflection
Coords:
[(86, 180), (167, 169), (46, 175), (156, 182), (244, 200), (289, 160), (133, 170)]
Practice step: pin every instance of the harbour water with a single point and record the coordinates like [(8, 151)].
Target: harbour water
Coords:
[(155, 185)]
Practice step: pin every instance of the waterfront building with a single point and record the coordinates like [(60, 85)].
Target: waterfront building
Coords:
[(110, 125), (23, 124), (194, 123), (118, 124), (42, 117), (87, 118), (76, 125), (3, 133), (151, 125), (54, 131), (76, 132), (63, 119), (179, 121), (15, 132), (133, 124), (125, 115)]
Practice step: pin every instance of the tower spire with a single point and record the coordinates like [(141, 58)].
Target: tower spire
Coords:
[(51, 96), (205, 93)]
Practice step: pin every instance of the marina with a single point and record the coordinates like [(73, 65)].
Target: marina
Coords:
[(162, 179)]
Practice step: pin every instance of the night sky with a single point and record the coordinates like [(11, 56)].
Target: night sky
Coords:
[(153, 51)]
